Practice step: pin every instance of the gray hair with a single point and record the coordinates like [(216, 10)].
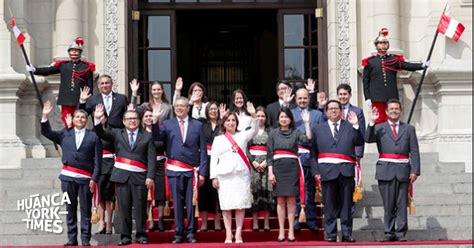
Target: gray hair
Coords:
[(182, 98), (80, 111)]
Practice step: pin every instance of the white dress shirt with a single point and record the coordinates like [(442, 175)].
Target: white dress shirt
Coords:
[(135, 134), (331, 126), (107, 99), (396, 127), (186, 122), (79, 136)]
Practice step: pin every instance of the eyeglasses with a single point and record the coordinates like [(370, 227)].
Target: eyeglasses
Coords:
[(332, 109), (131, 119)]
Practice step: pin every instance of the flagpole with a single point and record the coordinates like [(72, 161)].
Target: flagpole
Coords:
[(424, 70)]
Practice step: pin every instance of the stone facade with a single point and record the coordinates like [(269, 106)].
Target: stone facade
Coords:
[(442, 116)]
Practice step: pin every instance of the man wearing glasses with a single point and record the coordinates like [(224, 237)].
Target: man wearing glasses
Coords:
[(133, 172), (333, 160)]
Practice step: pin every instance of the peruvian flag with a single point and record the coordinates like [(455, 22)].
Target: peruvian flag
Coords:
[(20, 38), (450, 27)]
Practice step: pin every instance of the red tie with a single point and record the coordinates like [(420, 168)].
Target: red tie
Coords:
[(394, 130), (181, 128)]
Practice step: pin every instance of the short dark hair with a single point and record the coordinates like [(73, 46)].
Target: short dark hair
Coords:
[(395, 101), (105, 76), (283, 82), (344, 86), (288, 113), (208, 106), (224, 119), (131, 111), (331, 101), (82, 111)]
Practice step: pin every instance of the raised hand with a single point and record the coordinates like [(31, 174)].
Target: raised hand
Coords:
[(47, 108), (68, 120), (352, 118), (85, 94), (322, 99), (222, 110), (156, 112), (374, 115), (179, 84), (305, 116), (287, 96), (251, 109), (99, 111), (134, 86), (130, 107), (195, 96), (310, 85)]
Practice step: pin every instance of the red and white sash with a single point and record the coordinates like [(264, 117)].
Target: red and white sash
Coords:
[(258, 150), (394, 158), (160, 156), (178, 166), (209, 150), (129, 165), (303, 150), (239, 150), (334, 158), (279, 154), (107, 154), (75, 172)]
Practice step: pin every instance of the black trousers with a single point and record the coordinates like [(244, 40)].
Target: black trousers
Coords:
[(82, 191), (395, 201), (181, 188), (337, 197), (132, 195)]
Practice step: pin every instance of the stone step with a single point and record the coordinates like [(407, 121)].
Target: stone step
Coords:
[(43, 173), (369, 167), (11, 174), (30, 183), (431, 234), (419, 223), (41, 163), (374, 199), (421, 210)]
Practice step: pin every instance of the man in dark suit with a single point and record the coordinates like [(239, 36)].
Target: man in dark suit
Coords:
[(115, 107), (303, 101), (186, 153), (380, 75), (75, 74), (133, 172), (82, 160), (333, 163), (398, 167)]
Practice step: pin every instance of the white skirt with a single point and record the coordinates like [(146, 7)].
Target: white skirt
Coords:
[(234, 190)]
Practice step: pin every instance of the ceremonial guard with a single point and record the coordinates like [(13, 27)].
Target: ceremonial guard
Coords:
[(82, 160), (397, 168), (75, 74), (380, 75), (333, 162)]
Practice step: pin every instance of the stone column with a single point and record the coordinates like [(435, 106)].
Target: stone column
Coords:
[(69, 25), (387, 14)]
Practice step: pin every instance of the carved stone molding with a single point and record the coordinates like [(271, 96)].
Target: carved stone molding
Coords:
[(448, 138), (111, 40), (343, 45)]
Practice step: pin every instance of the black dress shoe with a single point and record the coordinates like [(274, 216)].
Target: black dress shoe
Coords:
[(192, 240), (389, 239), (101, 231), (281, 240), (291, 240), (86, 243), (125, 242), (71, 243), (177, 241), (402, 239), (349, 239), (143, 241), (331, 239)]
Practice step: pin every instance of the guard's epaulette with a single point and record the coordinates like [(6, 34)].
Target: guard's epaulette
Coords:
[(92, 65), (58, 62), (400, 57), (365, 61)]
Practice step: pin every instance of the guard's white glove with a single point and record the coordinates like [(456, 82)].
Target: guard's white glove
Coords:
[(369, 103), (426, 64), (30, 68)]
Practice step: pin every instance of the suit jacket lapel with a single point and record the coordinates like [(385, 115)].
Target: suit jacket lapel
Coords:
[(388, 129), (139, 137), (328, 131), (401, 130), (114, 101), (176, 127), (125, 137), (341, 127)]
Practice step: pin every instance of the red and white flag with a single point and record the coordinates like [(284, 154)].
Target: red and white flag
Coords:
[(450, 27), (20, 38)]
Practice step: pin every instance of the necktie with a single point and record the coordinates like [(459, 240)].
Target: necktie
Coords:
[(132, 140), (181, 128), (107, 104), (78, 139), (336, 131), (394, 130), (343, 114)]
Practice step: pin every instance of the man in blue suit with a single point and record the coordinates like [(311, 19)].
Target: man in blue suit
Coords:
[(333, 161), (303, 101), (82, 161), (186, 154)]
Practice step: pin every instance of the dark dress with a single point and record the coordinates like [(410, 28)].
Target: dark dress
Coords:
[(208, 199), (286, 170), (106, 187), (160, 172), (261, 187)]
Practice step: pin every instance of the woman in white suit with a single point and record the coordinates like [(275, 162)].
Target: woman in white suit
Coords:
[(230, 171)]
